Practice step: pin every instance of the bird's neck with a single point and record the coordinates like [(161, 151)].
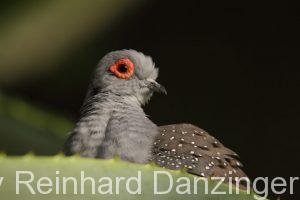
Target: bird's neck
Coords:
[(108, 100)]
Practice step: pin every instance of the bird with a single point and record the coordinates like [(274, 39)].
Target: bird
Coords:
[(113, 123)]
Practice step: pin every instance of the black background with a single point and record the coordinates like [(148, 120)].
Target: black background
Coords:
[(231, 69)]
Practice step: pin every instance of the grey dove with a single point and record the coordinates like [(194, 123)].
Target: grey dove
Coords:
[(113, 123)]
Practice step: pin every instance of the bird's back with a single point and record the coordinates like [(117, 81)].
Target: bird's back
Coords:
[(187, 146)]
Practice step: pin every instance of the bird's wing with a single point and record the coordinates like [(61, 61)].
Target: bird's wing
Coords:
[(188, 146)]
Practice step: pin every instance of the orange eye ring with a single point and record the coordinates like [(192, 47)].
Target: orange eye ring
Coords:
[(122, 68)]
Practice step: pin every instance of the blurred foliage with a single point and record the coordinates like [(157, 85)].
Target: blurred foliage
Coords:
[(96, 169), (25, 128), (36, 35)]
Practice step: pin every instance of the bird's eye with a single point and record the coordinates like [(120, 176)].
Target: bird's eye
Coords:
[(122, 68)]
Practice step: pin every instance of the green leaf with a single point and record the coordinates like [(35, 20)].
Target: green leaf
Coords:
[(25, 128), (57, 167)]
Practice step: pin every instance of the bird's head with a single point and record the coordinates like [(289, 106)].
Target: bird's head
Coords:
[(127, 73)]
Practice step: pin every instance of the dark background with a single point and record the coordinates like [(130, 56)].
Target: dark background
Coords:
[(231, 69)]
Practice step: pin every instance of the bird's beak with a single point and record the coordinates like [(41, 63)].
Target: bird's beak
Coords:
[(156, 87)]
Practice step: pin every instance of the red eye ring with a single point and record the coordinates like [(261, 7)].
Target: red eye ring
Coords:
[(122, 68)]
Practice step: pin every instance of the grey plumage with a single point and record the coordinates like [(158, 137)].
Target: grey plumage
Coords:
[(113, 123)]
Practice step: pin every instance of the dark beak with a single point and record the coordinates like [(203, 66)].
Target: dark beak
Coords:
[(156, 87)]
